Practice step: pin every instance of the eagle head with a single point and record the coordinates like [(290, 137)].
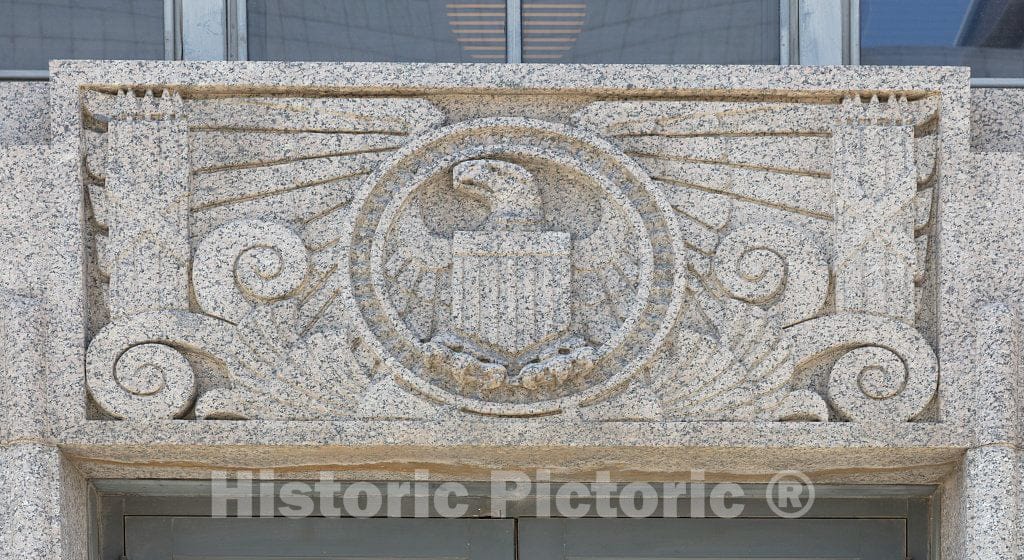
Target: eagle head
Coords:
[(508, 189)]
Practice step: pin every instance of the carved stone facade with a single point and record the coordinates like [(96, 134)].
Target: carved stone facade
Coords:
[(353, 257), (770, 262)]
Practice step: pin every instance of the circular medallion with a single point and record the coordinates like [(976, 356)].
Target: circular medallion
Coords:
[(513, 266)]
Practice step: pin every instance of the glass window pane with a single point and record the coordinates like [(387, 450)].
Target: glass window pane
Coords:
[(377, 30), (651, 31), (32, 32), (987, 35)]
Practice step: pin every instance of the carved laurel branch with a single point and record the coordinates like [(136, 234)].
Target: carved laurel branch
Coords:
[(743, 374), (887, 371), (767, 286), (243, 274)]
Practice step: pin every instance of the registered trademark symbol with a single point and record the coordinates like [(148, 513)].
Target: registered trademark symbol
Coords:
[(790, 494)]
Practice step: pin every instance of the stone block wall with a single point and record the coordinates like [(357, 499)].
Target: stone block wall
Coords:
[(648, 269)]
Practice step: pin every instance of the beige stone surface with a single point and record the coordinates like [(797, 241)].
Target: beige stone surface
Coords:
[(460, 449), (372, 269), (24, 112), (512, 266), (45, 513), (996, 125), (24, 418)]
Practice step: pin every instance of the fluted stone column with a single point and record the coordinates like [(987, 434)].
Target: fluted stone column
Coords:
[(145, 205), (875, 180)]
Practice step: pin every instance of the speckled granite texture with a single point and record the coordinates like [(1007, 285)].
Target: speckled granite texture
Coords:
[(996, 124), (370, 269), (24, 112), (665, 256)]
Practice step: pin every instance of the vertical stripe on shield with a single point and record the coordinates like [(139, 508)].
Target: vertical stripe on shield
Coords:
[(510, 290)]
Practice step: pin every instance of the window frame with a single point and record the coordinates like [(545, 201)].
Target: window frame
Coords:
[(795, 18), (171, 33), (854, 34), (238, 38), (111, 500)]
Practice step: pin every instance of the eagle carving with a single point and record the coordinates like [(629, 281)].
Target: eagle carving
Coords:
[(512, 303)]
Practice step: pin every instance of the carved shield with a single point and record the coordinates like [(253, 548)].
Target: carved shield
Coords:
[(510, 290)]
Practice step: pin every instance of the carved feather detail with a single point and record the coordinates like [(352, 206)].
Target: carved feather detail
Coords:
[(605, 276), (418, 273), (743, 375), (325, 375), (295, 161)]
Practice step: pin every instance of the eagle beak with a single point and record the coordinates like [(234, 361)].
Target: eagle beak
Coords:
[(466, 171), (468, 177)]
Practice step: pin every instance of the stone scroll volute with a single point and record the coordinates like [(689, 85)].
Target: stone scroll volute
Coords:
[(298, 258)]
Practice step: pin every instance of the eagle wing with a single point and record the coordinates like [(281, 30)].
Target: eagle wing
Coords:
[(605, 276), (417, 270)]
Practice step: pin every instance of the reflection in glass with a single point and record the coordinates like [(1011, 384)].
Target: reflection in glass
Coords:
[(987, 35), (32, 32), (651, 31), (377, 30)]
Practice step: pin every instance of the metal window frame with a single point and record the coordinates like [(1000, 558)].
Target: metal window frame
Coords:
[(789, 32), (854, 46), (169, 49), (216, 50), (175, 33), (513, 31), (238, 31), (789, 35), (171, 29), (111, 500), (809, 20), (854, 32)]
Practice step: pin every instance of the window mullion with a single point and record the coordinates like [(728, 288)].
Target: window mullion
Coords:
[(170, 30), (204, 29), (787, 32), (238, 30), (854, 31), (821, 32), (514, 31)]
